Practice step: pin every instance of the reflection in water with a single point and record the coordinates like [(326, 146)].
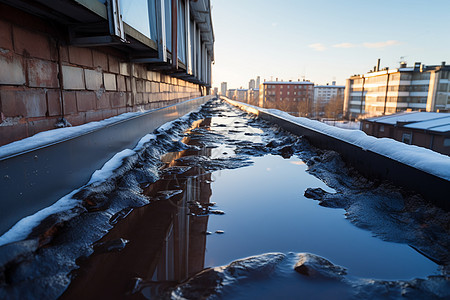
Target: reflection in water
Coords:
[(267, 212), (167, 238)]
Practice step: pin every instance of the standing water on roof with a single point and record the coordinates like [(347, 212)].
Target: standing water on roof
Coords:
[(241, 209)]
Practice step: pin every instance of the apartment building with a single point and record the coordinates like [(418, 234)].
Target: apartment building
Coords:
[(287, 95), (251, 84), (231, 94), (253, 97), (241, 95), (387, 91), (324, 93), (223, 88)]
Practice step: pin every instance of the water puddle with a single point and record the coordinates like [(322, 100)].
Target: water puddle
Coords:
[(227, 197), (267, 212)]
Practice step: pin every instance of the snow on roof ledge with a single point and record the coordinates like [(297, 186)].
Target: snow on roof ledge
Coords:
[(54, 136), (417, 157)]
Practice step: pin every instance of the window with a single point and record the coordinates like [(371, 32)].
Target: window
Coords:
[(168, 23), (447, 142), (407, 138), (405, 76), (381, 128), (140, 16), (181, 32), (395, 77), (443, 87)]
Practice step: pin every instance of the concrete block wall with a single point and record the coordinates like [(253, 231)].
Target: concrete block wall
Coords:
[(97, 83)]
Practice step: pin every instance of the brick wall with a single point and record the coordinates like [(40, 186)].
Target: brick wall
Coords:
[(97, 83)]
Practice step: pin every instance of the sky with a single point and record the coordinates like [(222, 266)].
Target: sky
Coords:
[(324, 40)]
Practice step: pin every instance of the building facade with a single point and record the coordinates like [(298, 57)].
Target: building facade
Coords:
[(328, 100), (253, 97), (241, 95), (290, 96), (387, 91), (324, 93), (223, 88), (231, 94), (425, 129), (87, 60), (251, 84)]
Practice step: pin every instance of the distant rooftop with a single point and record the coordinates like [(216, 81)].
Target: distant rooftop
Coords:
[(439, 124), (433, 121), (418, 67)]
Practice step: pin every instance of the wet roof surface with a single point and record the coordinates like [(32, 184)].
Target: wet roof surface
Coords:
[(237, 187)]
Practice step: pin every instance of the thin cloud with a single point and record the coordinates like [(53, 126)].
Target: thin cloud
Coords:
[(317, 47), (381, 44), (344, 45)]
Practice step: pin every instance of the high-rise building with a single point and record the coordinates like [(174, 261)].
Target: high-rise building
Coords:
[(223, 88), (251, 84), (387, 91), (258, 81)]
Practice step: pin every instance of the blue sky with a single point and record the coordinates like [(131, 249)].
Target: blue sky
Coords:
[(324, 40)]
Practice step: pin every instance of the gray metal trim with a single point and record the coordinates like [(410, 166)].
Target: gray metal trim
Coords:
[(370, 164), (35, 179)]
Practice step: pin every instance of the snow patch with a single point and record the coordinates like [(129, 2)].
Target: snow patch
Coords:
[(57, 135), (54, 136), (343, 124), (25, 226)]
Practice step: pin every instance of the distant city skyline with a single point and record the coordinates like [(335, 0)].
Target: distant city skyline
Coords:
[(324, 41)]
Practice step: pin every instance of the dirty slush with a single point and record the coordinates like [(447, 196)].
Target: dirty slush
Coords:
[(225, 206)]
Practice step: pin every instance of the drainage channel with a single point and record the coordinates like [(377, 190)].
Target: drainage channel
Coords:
[(242, 209)]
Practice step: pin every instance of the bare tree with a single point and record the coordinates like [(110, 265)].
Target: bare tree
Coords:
[(303, 108), (319, 106), (334, 108)]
